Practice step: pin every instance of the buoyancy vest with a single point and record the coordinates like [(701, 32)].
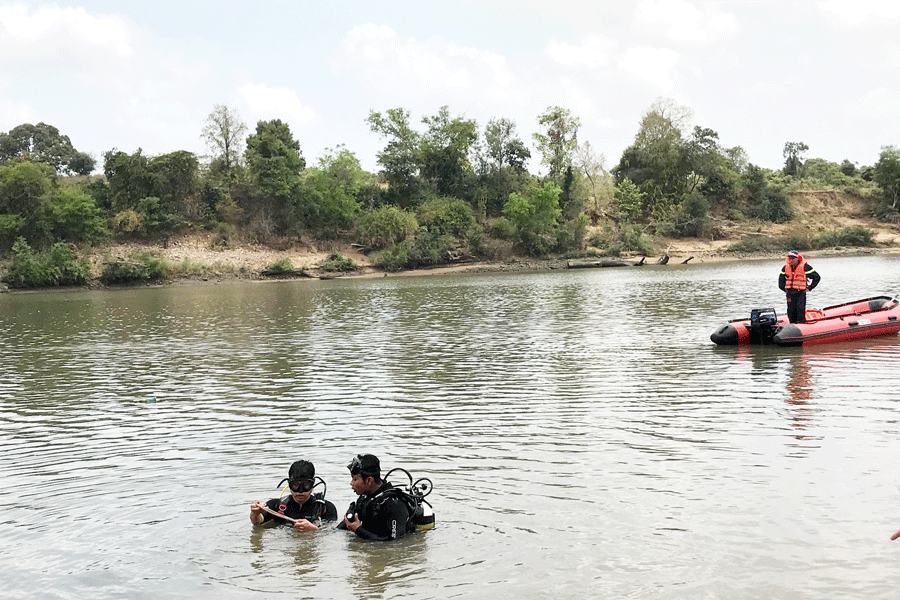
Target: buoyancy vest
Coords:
[(795, 279)]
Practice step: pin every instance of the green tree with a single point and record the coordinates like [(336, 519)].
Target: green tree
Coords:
[(400, 159), (557, 139), (224, 132), (887, 174), (629, 200), (329, 194), (444, 152), (129, 178), (793, 158), (175, 178), (534, 214), (75, 217), (275, 163), (44, 143), (25, 201)]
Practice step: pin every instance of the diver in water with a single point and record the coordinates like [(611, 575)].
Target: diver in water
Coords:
[(382, 511), (302, 507)]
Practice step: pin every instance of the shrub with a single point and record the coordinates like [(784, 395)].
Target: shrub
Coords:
[(849, 236), (446, 215), (282, 265), (57, 266), (143, 267), (338, 263), (385, 226), (503, 229), (394, 258)]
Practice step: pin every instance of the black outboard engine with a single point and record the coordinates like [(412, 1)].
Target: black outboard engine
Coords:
[(762, 325)]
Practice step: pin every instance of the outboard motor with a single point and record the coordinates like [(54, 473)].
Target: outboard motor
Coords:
[(762, 325)]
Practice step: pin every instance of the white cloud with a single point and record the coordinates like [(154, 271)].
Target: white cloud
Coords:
[(591, 53), (66, 37), (379, 59), (861, 13), (655, 66), (682, 21), (276, 103)]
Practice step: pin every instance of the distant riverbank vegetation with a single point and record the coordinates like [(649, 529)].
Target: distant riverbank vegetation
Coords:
[(447, 189)]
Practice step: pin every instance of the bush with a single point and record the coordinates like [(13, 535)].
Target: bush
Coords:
[(503, 229), (282, 265), (57, 266), (450, 216), (143, 267), (394, 258), (849, 236), (337, 263), (385, 226)]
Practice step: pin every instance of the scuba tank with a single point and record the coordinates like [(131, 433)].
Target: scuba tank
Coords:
[(420, 511)]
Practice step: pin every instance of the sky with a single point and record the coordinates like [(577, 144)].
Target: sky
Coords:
[(131, 75)]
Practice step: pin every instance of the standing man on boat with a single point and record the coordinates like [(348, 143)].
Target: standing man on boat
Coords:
[(797, 277), (380, 512), (302, 507)]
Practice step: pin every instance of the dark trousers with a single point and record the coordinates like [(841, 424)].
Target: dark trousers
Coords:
[(796, 306)]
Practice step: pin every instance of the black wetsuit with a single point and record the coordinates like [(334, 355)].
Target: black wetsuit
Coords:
[(313, 509), (385, 515)]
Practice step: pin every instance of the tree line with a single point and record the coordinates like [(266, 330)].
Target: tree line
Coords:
[(446, 186)]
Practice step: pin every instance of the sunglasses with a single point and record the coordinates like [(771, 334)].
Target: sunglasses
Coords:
[(301, 485)]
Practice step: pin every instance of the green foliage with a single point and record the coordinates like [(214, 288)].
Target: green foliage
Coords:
[(613, 241), (328, 200), (127, 224), (428, 248), (628, 200), (57, 266), (400, 159), (224, 132), (156, 221), (275, 162), (337, 263), (557, 140), (446, 216), (44, 143), (503, 229), (856, 236), (129, 178), (282, 265), (793, 158), (385, 226), (765, 201), (689, 219), (174, 178), (24, 191), (141, 267), (570, 235), (534, 215), (76, 217), (887, 174)]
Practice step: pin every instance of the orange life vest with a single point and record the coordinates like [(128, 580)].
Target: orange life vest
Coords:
[(795, 279)]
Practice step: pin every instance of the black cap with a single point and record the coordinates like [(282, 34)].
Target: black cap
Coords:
[(367, 465)]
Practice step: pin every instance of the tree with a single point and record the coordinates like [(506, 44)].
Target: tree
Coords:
[(224, 131), (400, 158), (629, 200), (503, 148), (534, 214), (444, 152), (793, 158), (275, 162), (44, 143), (24, 202), (174, 178), (887, 174), (129, 178), (329, 194), (558, 140)]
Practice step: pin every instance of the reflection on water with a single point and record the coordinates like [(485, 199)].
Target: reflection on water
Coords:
[(584, 437)]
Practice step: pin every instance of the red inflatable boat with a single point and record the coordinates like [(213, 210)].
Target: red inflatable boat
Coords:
[(860, 319)]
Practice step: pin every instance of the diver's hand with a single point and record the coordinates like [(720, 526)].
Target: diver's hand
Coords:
[(256, 513), (895, 536), (354, 524), (304, 525)]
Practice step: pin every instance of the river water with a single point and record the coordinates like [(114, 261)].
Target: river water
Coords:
[(584, 437)]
